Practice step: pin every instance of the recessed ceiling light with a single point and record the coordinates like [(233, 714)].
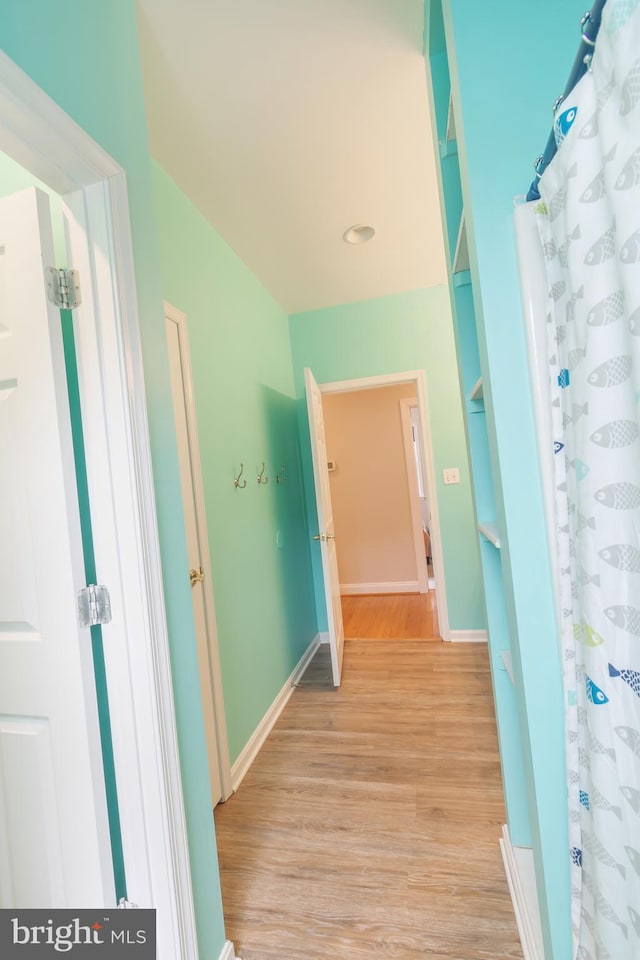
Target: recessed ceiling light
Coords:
[(359, 233)]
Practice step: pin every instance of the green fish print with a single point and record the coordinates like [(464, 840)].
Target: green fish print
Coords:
[(619, 496), (630, 252), (607, 311), (612, 372), (622, 556), (618, 433), (603, 249), (630, 93), (580, 468), (630, 174), (594, 694), (632, 677), (625, 617), (631, 737)]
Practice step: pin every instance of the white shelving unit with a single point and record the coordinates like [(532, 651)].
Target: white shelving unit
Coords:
[(451, 121), (461, 256), (505, 656), (477, 391), (490, 532)]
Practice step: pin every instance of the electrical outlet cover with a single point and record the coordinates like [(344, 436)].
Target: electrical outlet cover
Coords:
[(451, 475)]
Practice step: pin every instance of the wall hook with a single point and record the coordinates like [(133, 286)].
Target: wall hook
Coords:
[(236, 480), (281, 475), (261, 476)]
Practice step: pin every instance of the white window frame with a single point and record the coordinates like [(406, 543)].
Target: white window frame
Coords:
[(40, 136)]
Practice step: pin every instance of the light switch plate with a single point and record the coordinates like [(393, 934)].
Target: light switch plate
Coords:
[(451, 475)]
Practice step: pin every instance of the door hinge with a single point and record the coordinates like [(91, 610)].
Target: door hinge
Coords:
[(64, 288), (94, 606)]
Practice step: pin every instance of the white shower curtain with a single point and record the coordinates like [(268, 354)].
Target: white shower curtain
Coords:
[(589, 222)]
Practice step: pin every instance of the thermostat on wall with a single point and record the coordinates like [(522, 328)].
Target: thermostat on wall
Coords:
[(331, 465)]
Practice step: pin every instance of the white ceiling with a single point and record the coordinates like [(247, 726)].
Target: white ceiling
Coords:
[(287, 121)]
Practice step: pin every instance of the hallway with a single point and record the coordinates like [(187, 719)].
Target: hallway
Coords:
[(391, 616), (369, 823)]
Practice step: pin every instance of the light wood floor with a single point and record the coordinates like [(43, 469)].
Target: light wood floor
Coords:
[(403, 616), (369, 824)]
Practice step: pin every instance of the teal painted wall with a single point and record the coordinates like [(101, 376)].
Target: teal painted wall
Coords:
[(100, 86), (246, 411), (407, 331)]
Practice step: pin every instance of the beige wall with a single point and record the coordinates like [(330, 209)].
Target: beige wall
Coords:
[(369, 489)]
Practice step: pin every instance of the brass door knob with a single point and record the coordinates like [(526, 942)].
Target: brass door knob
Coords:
[(320, 536), (330, 536), (196, 577)]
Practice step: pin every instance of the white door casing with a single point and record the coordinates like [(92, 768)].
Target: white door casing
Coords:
[(422, 573), (326, 529), (54, 834), (198, 554)]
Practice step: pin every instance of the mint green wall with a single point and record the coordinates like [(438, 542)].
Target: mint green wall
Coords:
[(84, 54), (407, 331), (246, 411)]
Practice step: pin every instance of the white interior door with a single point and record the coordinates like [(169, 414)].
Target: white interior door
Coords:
[(54, 835), (326, 531), (198, 549)]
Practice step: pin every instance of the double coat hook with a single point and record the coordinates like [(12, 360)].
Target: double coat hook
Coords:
[(237, 482), (261, 476)]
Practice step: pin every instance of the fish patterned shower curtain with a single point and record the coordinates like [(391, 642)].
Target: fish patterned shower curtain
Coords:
[(589, 223)]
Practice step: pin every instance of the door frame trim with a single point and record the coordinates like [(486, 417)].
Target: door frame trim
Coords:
[(422, 572), (419, 378), (213, 648), (40, 136)]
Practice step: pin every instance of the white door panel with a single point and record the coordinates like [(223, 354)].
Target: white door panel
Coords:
[(54, 835), (325, 525)]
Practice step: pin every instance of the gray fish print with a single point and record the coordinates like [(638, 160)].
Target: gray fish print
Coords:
[(596, 189), (607, 311), (630, 93), (572, 172), (571, 303), (620, 14), (583, 953), (585, 580), (575, 816), (574, 776), (549, 250), (574, 590), (598, 748), (622, 556), (634, 323), (634, 858), (578, 411), (608, 157), (584, 522), (619, 496), (576, 357), (557, 203), (558, 289), (598, 800), (593, 846), (582, 716), (632, 796), (630, 252), (635, 919), (590, 924), (618, 433), (590, 128), (603, 249), (603, 906), (629, 176), (625, 617), (611, 372), (605, 92), (631, 737), (563, 255), (561, 333)]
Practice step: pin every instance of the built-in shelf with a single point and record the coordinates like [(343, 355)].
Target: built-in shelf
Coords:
[(447, 148), (477, 391), (451, 121), (462, 279), (490, 532), (461, 257), (505, 655)]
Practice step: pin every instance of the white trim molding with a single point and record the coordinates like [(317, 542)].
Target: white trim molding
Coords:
[(468, 636), (521, 878), (228, 952), (390, 586), (255, 743)]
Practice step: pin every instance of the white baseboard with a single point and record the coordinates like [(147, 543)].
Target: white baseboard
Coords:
[(468, 636), (264, 728), (227, 952), (323, 637), (521, 877), (391, 586)]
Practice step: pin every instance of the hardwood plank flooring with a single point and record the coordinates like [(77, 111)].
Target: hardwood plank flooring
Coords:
[(403, 616), (369, 823)]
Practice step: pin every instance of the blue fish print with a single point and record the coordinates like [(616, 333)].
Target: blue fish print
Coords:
[(631, 677), (557, 446), (630, 174), (563, 123), (584, 799), (630, 252), (612, 372), (580, 468), (564, 379), (576, 856), (622, 556), (594, 694), (630, 93), (603, 249)]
